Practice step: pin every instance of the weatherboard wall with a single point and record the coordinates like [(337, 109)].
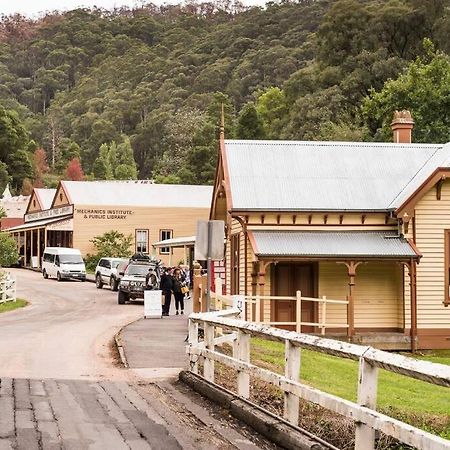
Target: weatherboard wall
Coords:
[(90, 221), (432, 217), (378, 298)]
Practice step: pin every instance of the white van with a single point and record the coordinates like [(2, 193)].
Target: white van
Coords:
[(63, 263)]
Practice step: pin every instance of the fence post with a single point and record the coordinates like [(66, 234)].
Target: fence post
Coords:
[(242, 353), (292, 372), (258, 309), (367, 396), (196, 281), (324, 314), (298, 312), (239, 303), (193, 342), (218, 294), (3, 288), (208, 365)]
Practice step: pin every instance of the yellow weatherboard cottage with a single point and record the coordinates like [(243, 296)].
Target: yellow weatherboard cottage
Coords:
[(363, 223)]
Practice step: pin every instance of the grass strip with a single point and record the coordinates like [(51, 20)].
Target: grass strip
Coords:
[(10, 306), (416, 402)]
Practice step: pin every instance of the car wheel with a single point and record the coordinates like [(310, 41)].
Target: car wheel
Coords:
[(45, 274), (58, 277), (122, 298), (114, 284), (98, 281)]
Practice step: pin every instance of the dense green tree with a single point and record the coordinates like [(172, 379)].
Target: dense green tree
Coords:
[(424, 89), (5, 178), (249, 125), (272, 109)]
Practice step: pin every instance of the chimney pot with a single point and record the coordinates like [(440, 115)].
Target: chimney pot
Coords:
[(402, 125)]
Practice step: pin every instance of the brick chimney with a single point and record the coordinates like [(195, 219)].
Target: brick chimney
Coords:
[(402, 125)]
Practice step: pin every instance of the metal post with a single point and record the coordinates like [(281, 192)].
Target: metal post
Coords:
[(208, 268)]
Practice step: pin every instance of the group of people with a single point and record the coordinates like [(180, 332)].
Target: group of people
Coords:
[(174, 280)]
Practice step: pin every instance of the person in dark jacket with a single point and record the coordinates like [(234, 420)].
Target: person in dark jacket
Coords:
[(178, 283), (166, 286)]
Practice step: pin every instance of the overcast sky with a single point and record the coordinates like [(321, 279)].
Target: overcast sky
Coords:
[(34, 7)]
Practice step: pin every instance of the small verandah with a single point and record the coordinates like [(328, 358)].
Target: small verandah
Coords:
[(357, 286), (33, 237)]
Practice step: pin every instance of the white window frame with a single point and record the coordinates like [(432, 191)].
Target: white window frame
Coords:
[(142, 242), (165, 250)]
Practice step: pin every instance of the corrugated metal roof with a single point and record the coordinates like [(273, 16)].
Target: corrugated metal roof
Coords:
[(39, 223), (327, 176), (320, 244), (138, 193), (45, 196)]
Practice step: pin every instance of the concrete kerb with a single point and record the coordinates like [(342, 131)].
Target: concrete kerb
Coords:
[(118, 341), (270, 426)]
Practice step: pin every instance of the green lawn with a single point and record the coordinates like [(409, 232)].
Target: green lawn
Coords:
[(402, 395), (9, 306)]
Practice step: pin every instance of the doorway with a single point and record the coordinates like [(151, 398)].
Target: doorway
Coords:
[(288, 279)]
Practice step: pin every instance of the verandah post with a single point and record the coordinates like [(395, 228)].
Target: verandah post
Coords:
[(292, 372), (298, 312)]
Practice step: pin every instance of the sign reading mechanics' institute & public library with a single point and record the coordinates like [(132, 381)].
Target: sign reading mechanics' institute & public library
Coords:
[(108, 214)]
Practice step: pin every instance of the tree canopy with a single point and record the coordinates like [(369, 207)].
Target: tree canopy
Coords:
[(148, 83)]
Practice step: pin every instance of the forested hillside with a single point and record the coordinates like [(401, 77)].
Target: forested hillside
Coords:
[(137, 93)]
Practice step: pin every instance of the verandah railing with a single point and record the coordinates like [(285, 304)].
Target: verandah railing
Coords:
[(254, 311), (363, 412)]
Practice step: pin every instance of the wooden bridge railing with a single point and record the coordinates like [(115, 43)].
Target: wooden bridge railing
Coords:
[(363, 412)]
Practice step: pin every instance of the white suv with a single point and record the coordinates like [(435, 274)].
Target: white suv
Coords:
[(106, 272)]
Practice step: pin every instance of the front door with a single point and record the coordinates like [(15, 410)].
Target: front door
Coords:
[(288, 279)]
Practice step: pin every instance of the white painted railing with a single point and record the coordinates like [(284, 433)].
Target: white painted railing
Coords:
[(363, 413), (8, 290)]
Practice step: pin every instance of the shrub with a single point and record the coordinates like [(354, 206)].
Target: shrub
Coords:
[(9, 254)]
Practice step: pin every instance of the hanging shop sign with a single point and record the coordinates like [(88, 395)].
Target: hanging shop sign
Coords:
[(49, 213)]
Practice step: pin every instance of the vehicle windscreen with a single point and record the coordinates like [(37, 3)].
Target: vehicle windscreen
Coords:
[(115, 263), (70, 259), (137, 270)]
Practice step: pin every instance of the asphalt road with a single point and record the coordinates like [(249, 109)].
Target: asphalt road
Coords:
[(66, 331), (60, 387)]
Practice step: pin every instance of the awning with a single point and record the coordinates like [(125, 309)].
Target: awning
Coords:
[(187, 241), (333, 245), (39, 224)]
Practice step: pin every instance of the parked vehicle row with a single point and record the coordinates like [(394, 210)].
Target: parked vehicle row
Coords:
[(130, 277)]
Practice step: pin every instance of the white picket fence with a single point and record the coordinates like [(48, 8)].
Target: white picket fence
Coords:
[(368, 420), (8, 290)]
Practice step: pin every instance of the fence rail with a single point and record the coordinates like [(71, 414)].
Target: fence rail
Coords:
[(7, 290), (363, 412)]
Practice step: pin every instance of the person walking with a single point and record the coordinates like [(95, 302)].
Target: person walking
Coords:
[(178, 283), (166, 286)]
